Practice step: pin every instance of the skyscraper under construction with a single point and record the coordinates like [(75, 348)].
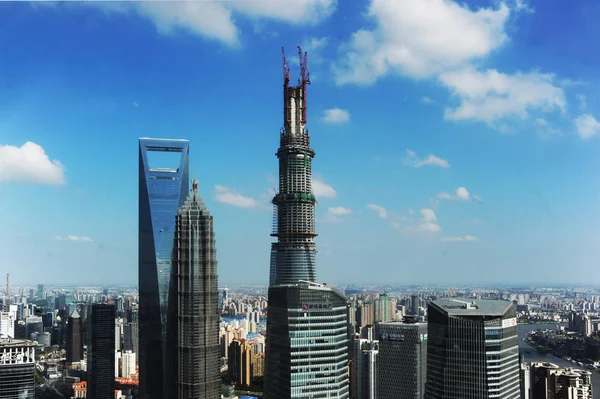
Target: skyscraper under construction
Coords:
[(193, 317), (306, 349)]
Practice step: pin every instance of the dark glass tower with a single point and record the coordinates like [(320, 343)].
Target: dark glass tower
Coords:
[(74, 343), (161, 192), (307, 344), (101, 352), (472, 349), (193, 331), (402, 360)]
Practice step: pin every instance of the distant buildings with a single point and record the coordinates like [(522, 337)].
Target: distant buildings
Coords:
[(541, 380), (8, 318), (101, 352), (161, 192), (17, 365), (472, 350), (193, 317), (402, 360), (246, 360)]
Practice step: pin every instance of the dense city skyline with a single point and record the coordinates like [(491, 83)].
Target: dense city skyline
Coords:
[(468, 158)]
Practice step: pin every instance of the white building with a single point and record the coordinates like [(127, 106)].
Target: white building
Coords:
[(128, 364)]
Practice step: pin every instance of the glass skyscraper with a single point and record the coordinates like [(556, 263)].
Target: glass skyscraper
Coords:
[(472, 350), (101, 351), (307, 343), (161, 192), (402, 359)]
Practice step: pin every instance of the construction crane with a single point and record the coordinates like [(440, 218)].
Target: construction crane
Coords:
[(286, 70), (305, 79), (452, 292)]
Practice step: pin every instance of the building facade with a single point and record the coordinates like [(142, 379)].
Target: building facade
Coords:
[(193, 317), (363, 368), (74, 342), (402, 360), (472, 350), (162, 191), (101, 352), (17, 368), (307, 344)]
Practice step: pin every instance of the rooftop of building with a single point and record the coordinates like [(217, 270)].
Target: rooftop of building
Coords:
[(402, 323), (473, 307), (15, 343), (162, 139)]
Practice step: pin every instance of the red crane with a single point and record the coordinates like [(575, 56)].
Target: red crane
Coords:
[(305, 79)]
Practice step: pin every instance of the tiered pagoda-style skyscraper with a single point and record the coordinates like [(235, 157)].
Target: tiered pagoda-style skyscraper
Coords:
[(193, 321)]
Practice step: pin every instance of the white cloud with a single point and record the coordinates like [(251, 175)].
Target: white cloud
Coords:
[(339, 211), (491, 95), (419, 39), (411, 159), (461, 194), (587, 126), (322, 189), (336, 116), (216, 19), (29, 164), (381, 211), (315, 46), (73, 238), (582, 100), (427, 100), (445, 39), (230, 197), (456, 239), (135, 104), (545, 130), (428, 222), (523, 6)]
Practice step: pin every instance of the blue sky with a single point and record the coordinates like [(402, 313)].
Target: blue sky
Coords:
[(456, 142)]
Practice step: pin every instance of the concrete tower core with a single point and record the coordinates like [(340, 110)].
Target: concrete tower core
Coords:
[(293, 255)]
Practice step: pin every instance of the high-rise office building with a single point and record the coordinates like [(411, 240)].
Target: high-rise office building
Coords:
[(402, 361), (101, 352), (17, 368), (472, 350), (385, 308), (162, 191), (525, 376), (74, 342), (415, 303), (307, 343), (193, 330), (363, 368), (40, 291)]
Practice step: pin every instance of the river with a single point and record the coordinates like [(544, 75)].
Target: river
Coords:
[(531, 355)]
